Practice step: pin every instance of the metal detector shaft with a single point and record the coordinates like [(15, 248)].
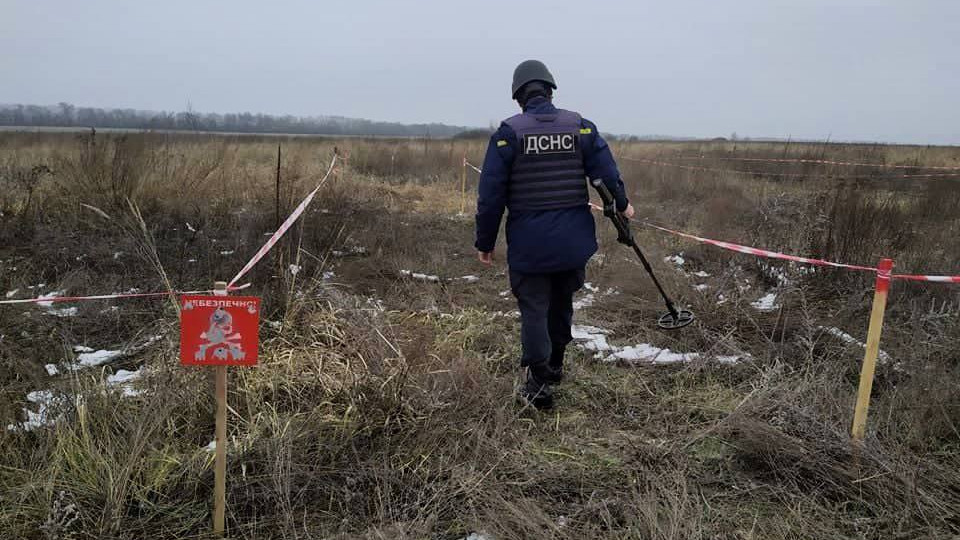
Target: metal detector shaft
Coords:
[(625, 236)]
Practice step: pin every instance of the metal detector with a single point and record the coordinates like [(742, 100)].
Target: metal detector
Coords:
[(675, 318)]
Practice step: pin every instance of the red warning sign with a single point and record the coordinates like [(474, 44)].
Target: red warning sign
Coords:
[(219, 330)]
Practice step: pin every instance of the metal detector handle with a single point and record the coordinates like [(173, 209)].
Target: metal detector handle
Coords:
[(624, 236)]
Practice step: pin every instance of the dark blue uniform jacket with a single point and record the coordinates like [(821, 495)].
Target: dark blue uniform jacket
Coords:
[(545, 240)]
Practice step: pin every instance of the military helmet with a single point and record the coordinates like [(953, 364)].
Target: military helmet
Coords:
[(529, 71)]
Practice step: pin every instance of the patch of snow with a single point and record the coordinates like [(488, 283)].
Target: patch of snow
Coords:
[(81, 348), (52, 369), (585, 302), (11, 294), (478, 536), (675, 259), (124, 379), (701, 273), (417, 275), (702, 287), (721, 299), (276, 325), (96, 358), (766, 303), (53, 294), (847, 338), (117, 255), (124, 376), (376, 304), (329, 275), (354, 250), (190, 227), (63, 312), (295, 269), (591, 338), (469, 279), (212, 447), (43, 399), (191, 260), (227, 252), (591, 297)]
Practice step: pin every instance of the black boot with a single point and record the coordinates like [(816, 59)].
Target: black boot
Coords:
[(536, 391)]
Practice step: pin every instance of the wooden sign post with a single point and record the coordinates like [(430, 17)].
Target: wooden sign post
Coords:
[(220, 332)]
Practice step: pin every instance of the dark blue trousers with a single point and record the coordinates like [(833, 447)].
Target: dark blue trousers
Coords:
[(546, 313)]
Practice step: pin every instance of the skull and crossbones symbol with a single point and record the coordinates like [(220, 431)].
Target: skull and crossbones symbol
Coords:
[(221, 338)]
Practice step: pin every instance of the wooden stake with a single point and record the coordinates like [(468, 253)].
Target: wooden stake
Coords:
[(881, 289), (220, 466), (277, 210), (463, 185)]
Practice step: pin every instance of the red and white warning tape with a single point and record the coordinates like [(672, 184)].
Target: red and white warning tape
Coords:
[(472, 166), (298, 211), (821, 162), (934, 279), (805, 260), (762, 252), (275, 237), (784, 175), (96, 297)]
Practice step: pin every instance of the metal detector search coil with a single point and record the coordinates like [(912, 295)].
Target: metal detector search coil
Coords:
[(674, 318)]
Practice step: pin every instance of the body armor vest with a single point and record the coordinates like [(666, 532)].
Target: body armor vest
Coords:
[(548, 172)]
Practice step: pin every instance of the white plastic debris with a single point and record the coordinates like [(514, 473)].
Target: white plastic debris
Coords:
[(11, 294)]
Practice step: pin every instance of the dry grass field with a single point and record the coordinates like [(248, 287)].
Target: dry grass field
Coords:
[(383, 408)]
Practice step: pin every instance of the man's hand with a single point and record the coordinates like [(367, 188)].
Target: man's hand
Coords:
[(486, 257), (628, 213)]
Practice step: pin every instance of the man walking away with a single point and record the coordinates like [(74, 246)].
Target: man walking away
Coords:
[(536, 167)]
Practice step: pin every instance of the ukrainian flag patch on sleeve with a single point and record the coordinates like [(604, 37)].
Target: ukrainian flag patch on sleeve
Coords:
[(501, 142)]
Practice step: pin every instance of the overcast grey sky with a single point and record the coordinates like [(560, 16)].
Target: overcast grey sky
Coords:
[(850, 69)]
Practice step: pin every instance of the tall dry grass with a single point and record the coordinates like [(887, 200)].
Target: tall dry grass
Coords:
[(382, 407)]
